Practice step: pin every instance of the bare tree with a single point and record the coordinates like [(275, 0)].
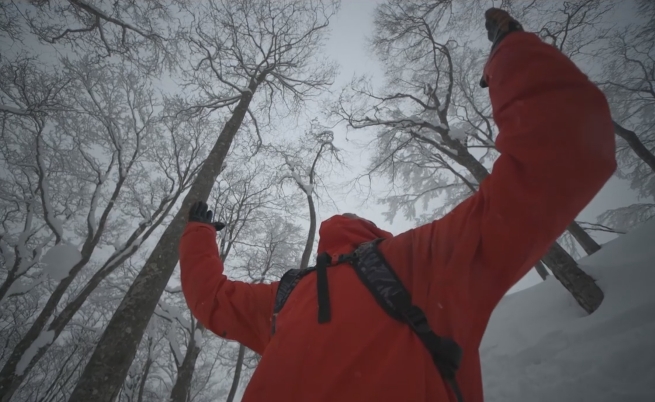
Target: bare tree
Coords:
[(261, 243), (646, 8), (434, 130), (143, 32), (185, 368), (242, 47), (586, 32), (125, 123), (303, 164), (32, 220), (628, 81), (272, 249), (240, 199), (56, 372)]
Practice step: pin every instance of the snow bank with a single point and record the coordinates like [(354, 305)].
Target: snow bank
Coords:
[(59, 260), (541, 346)]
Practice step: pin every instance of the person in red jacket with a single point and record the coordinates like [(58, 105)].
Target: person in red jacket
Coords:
[(556, 147)]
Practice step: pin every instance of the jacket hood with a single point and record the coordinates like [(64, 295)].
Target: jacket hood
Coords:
[(341, 234)]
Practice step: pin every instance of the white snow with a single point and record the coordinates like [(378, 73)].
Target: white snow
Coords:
[(416, 119), (13, 110), (175, 346), (308, 189), (18, 287), (57, 224), (45, 338), (59, 260), (122, 249), (176, 289), (458, 134), (21, 287), (92, 214), (172, 313), (541, 346), (197, 337), (433, 118)]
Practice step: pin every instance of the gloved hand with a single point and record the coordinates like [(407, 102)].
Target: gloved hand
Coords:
[(499, 24), (199, 212)]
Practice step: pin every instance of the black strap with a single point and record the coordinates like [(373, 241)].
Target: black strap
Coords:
[(322, 289), (286, 285), (387, 289), (390, 293), (445, 352)]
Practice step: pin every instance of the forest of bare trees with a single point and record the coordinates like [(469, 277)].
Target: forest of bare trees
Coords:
[(115, 116)]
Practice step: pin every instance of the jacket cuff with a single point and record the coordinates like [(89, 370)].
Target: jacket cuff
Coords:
[(199, 225)]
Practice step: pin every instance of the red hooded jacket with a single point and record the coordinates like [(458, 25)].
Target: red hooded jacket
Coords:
[(557, 150)]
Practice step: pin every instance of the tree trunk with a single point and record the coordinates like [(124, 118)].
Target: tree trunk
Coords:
[(307, 253), (106, 370), (582, 286), (146, 371), (635, 144), (13, 381), (9, 280), (182, 386), (237, 374), (587, 242), (9, 379), (541, 270)]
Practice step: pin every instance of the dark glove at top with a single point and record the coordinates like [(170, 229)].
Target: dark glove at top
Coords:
[(499, 24), (199, 212)]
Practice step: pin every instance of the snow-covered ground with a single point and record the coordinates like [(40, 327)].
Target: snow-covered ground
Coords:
[(540, 346)]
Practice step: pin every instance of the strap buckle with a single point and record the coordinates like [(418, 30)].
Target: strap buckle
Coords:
[(349, 258), (448, 357)]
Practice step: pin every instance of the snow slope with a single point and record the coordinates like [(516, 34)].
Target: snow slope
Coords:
[(540, 346)]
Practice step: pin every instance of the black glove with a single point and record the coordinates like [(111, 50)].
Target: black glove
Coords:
[(199, 212), (498, 24)]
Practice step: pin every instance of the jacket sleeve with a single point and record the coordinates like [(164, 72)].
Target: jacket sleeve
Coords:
[(233, 310), (556, 145)]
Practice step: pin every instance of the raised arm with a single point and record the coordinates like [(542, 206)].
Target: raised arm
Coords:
[(557, 151), (234, 310)]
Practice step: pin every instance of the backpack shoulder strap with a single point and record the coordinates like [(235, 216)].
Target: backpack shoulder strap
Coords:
[(286, 285), (390, 293)]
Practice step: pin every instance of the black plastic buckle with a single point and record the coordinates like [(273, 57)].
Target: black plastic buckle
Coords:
[(349, 258), (448, 356), (323, 260)]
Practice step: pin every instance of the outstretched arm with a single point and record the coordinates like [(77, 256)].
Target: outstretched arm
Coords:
[(234, 310), (557, 151)]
